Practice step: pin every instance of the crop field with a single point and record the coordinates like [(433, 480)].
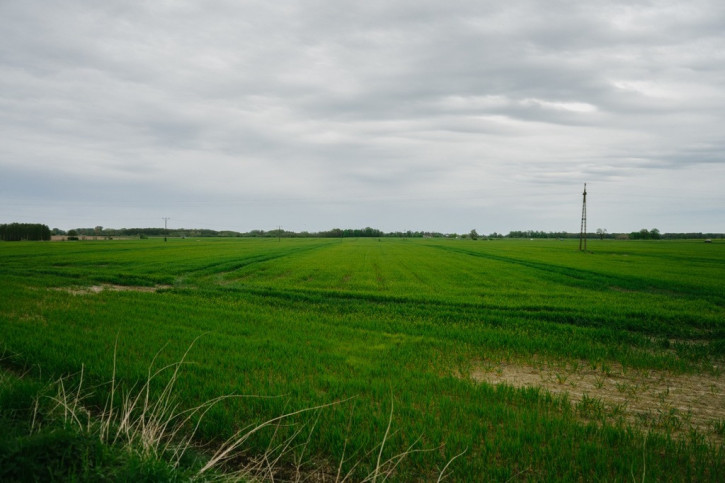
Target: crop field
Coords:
[(405, 359)]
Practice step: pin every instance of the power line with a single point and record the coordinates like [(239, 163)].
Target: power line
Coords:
[(166, 230), (583, 232)]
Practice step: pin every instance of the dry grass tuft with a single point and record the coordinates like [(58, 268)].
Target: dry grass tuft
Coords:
[(155, 427)]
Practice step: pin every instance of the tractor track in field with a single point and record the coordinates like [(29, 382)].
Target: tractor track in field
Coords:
[(480, 312), (587, 278), (230, 265)]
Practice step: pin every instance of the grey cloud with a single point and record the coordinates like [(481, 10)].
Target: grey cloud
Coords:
[(323, 101)]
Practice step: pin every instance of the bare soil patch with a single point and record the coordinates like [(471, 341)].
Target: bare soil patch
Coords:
[(656, 400), (93, 289)]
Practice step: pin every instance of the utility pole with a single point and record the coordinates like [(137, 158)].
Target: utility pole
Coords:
[(166, 230), (583, 232), (279, 233)]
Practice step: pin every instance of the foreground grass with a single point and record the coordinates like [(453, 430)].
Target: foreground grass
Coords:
[(311, 322), (39, 443), (51, 433)]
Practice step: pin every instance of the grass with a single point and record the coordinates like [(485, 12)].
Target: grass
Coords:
[(307, 323), (39, 445), (137, 436)]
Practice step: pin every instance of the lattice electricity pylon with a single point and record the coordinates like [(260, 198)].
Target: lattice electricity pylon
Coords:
[(583, 232)]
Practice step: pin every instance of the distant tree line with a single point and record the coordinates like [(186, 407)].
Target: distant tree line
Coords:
[(541, 234), (24, 231), (643, 234), (368, 232)]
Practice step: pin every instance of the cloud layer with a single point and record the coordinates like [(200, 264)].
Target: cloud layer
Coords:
[(395, 114)]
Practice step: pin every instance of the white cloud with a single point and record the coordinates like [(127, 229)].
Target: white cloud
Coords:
[(560, 106)]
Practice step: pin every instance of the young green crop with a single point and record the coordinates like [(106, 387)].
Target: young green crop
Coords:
[(312, 322)]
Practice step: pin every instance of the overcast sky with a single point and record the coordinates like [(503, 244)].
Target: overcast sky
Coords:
[(421, 115)]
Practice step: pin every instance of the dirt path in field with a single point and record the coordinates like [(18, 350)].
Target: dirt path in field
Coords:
[(657, 400)]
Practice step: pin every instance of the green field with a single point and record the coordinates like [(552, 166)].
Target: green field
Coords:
[(427, 328)]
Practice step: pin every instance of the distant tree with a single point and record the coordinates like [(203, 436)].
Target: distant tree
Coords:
[(645, 234), (72, 234), (642, 234), (473, 234), (602, 232), (24, 231)]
